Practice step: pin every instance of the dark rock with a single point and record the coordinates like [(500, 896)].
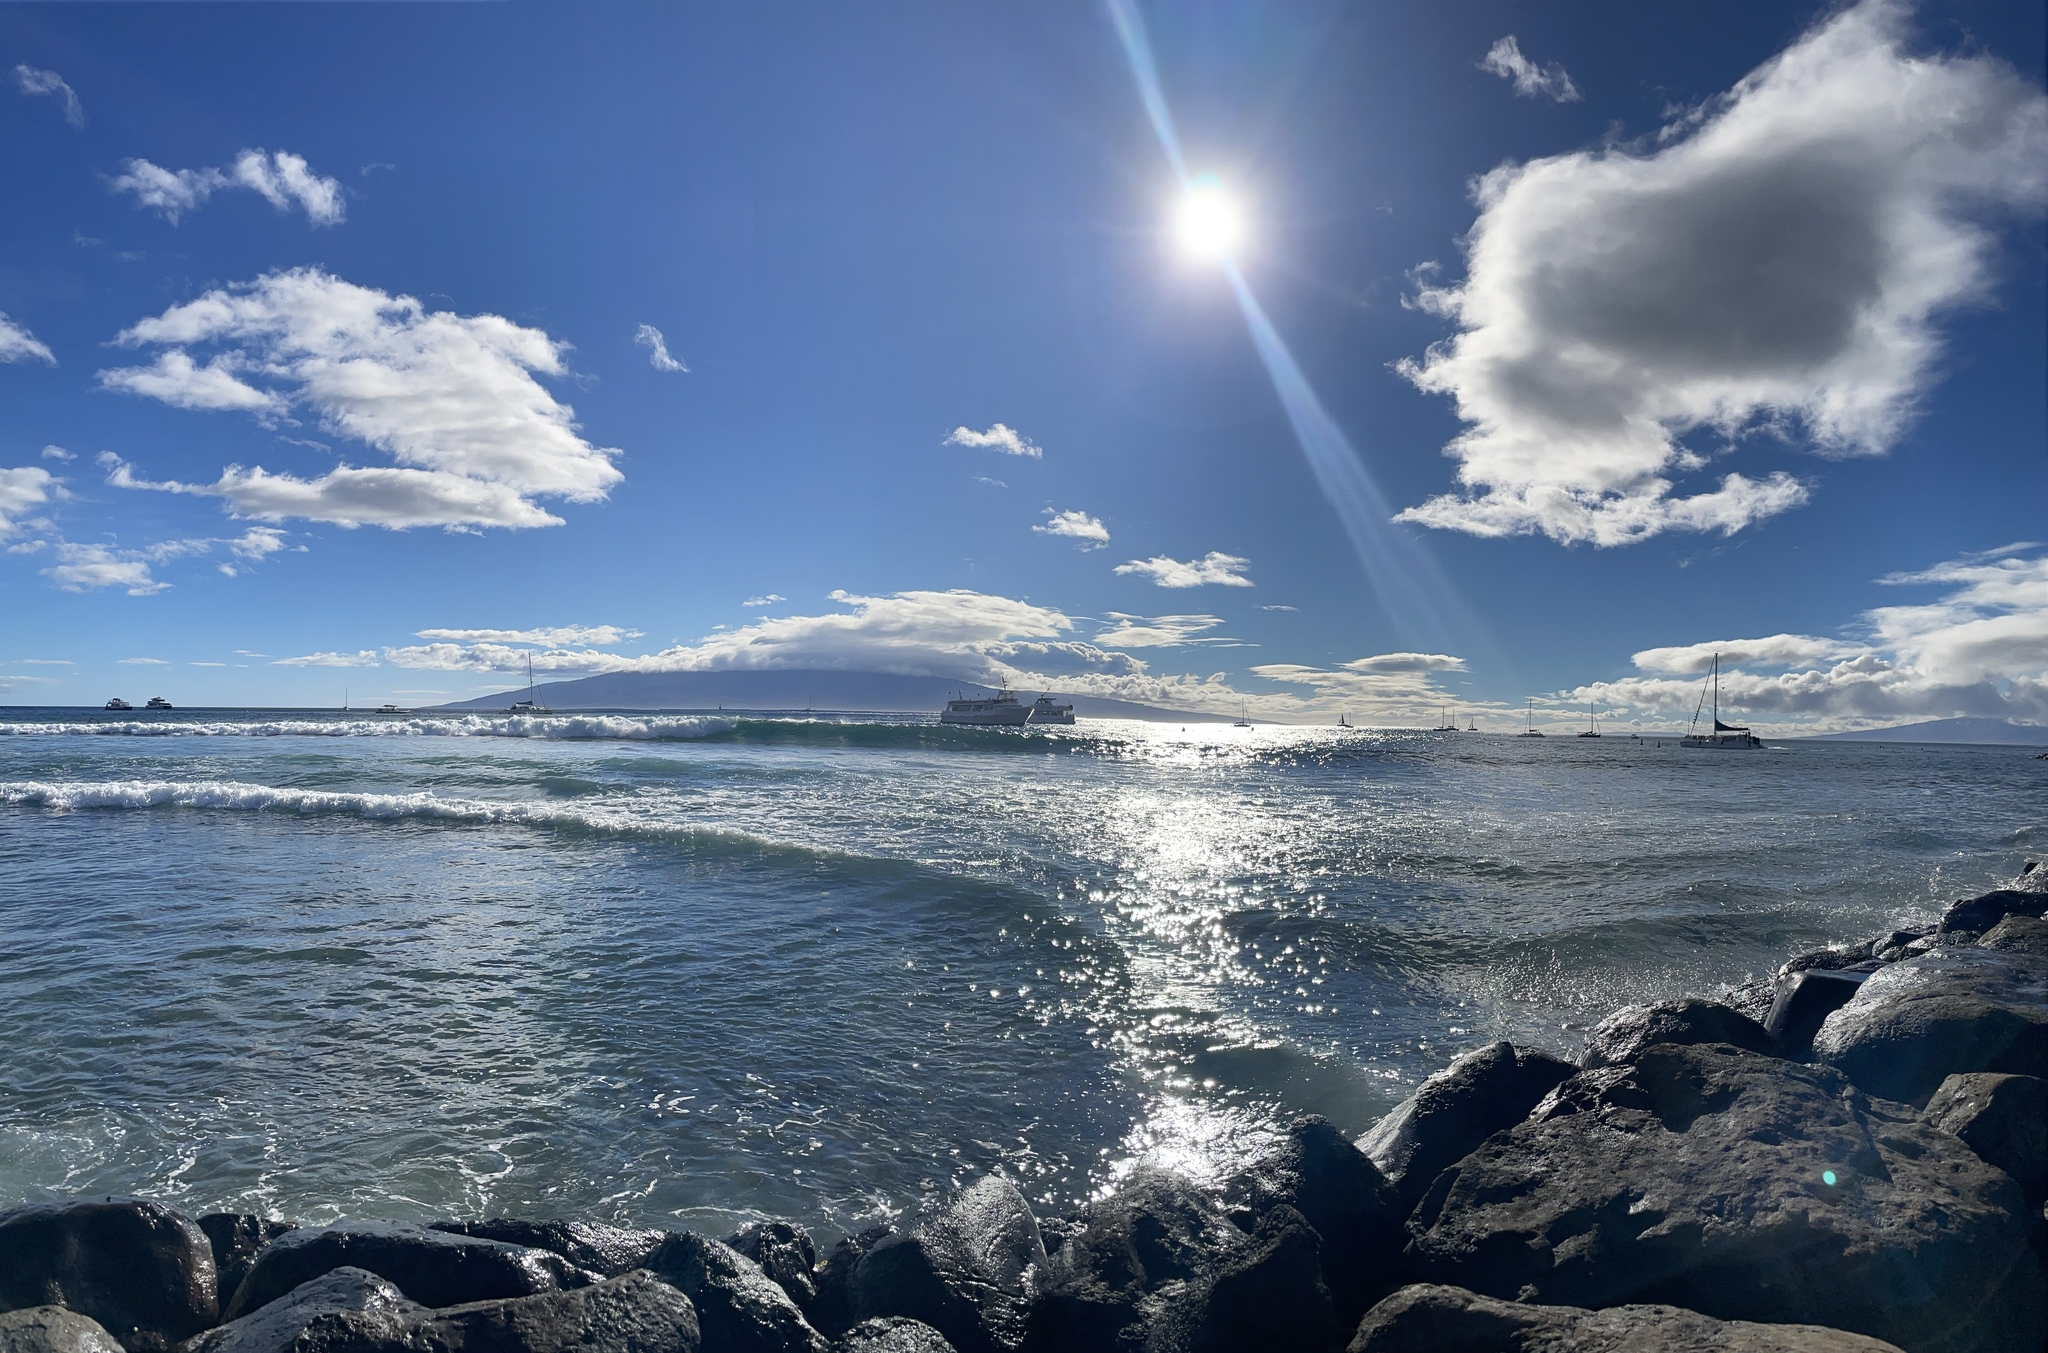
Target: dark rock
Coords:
[(739, 1309), (1975, 915), (1803, 1003), (892, 1334), (2018, 935), (961, 1272), (1955, 1010), (1459, 1107), (433, 1268), (52, 1329), (1626, 1032), (1430, 1319), (142, 1270), (786, 1254), (2004, 1119), (344, 1308), (235, 1238), (1270, 1294), (607, 1250), (1157, 1229), (1344, 1197), (633, 1314), (1753, 998), (1700, 1177), (2033, 875), (830, 1312), (1835, 958)]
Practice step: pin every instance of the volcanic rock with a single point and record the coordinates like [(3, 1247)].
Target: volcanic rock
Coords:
[(892, 1334), (235, 1238), (1803, 1002), (1974, 915), (830, 1312), (961, 1272), (739, 1308), (433, 1268), (633, 1314), (786, 1254), (2004, 1119), (1626, 1032), (344, 1308), (607, 1250), (52, 1329), (2018, 935), (1269, 1294), (142, 1270), (1955, 1010), (1477, 1095), (1342, 1194)]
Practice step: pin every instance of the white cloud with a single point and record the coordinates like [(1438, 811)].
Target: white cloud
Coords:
[(88, 568), (57, 453), (769, 600), (1279, 608), (1226, 570), (1007, 440), (1778, 650), (451, 398), (17, 343), (601, 635), (33, 82), (1505, 59), (21, 489), (1076, 525), (1779, 264), (282, 179), (1160, 631), (169, 192), (649, 337), (365, 658), (1385, 688), (142, 662)]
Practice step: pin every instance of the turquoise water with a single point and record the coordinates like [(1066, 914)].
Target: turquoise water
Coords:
[(691, 969)]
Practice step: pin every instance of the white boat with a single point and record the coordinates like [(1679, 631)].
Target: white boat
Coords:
[(1723, 736), (1001, 710), (1047, 710), (117, 703), (157, 702), (1530, 731), (1241, 721), (392, 709), (529, 706)]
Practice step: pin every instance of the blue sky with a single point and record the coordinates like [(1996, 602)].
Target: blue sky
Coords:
[(1653, 246)]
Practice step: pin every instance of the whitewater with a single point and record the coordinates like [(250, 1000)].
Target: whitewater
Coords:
[(697, 968)]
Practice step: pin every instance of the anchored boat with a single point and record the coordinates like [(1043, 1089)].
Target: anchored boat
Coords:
[(1047, 710), (529, 705), (117, 703), (1001, 710), (1724, 736)]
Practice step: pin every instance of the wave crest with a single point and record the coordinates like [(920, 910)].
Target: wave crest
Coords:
[(555, 728)]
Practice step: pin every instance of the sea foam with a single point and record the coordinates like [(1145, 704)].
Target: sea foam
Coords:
[(557, 728)]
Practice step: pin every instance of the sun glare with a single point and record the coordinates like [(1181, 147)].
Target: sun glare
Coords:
[(1209, 225)]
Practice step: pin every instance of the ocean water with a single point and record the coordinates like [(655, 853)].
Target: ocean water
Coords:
[(694, 969)]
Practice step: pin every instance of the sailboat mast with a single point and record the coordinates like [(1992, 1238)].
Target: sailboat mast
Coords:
[(1717, 692)]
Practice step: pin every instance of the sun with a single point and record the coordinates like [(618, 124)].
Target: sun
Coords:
[(1208, 224)]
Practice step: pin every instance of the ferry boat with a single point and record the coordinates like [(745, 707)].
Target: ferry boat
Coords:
[(1530, 731), (117, 703), (1724, 736), (1047, 710), (528, 706), (1001, 710), (157, 702)]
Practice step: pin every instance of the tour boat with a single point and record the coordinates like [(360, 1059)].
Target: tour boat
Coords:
[(1047, 710), (1725, 736), (391, 709), (1530, 731), (117, 703), (1001, 710), (157, 702)]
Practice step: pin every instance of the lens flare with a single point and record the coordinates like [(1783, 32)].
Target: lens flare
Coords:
[(1209, 224)]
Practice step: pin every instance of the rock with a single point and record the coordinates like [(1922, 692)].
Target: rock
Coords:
[(344, 1308), (142, 1270), (2033, 875), (1975, 915), (1459, 1107), (2004, 1119), (2018, 935), (1835, 958), (1700, 1177), (1431, 1319), (785, 1253), (1344, 1197), (1753, 998), (1270, 1294), (52, 1329), (1803, 1003), (1156, 1229), (961, 1272), (1629, 1030), (607, 1250), (433, 1268), (892, 1334), (830, 1312), (1959, 1009), (636, 1313), (235, 1238), (739, 1309)]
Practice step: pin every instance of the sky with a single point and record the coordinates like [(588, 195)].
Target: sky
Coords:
[(1328, 358)]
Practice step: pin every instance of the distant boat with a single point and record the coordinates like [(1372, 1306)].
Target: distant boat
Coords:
[(529, 705), (1530, 732), (1241, 721), (1449, 725), (117, 703), (1471, 727), (1047, 710), (1343, 722), (1592, 728), (157, 702), (392, 709), (1001, 710), (1724, 736)]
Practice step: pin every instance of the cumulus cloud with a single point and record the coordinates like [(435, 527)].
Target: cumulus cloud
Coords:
[(1777, 650), (1387, 688), (282, 179), (649, 337), (33, 83), (451, 398), (90, 568), (1778, 262), (17, 343), (1226, 570), (602, 635), (57, 453), (21, 490), (1007, 440), (1076, 525), (1160, 631), (769, 600), (1505, 59)]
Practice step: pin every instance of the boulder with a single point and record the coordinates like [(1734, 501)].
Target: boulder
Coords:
[(2033, 876), (786, 1254), (235, 1238), (1269, 1294), (1743, 1187), (1975, 915), (2018, 935), (1457, 1108), (739, 1309), (1803, 1002), (2004, 1119), (433, 1268), (1342, 1194), (343, 1308), (142, 1270), (1431, 1319), (1629, 1030), (961, 1272), (830, 1312), (607, 1250), (892, 1334), (52, 1329), (1919, 1021)]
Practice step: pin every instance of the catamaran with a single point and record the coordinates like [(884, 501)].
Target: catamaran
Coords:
[(529, 705), (1045, 709), (1725, 736), (158, 702), (117, 703), (1530, 731), (1241, 721)]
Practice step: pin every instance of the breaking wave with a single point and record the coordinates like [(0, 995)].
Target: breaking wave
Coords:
[(267, 798), (556, 728)]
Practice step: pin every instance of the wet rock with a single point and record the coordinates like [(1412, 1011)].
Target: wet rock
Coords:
[(1975, 915), (142, 1270), (961, 1272), (1343, 1196), (607, 1250), (433, 1268), (1269, 1294), (892, 1334), (235, 1238), (1753, 998), (1746, 1188), (344, 1308), (2004, 1119), (633, 1314), (2033, 878), (830, 1313), (1449, 1114), (1804, 1001), (2018, 935), (1156, 1230), (1626, 1032), (52, 1329), (1959, 1009), (1432, 1319), (1837, 957), (739, 1309), (786, 1254)]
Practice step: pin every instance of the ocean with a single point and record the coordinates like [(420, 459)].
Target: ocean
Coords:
[(690, 970)]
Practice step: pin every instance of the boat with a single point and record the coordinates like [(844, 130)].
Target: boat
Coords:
[(1240, 721), (157, 702), (1001, 710), (1449, 725), (1530, 731), (1045, 709), (1343, 722), (529, 706), (1723, 736), (117, 703), (1592, 726), (1470, 726), (392, 709)]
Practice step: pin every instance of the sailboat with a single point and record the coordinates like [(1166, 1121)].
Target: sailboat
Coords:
[(1723, 735), (1470, 725), (1449, 725), (1592, 725), (1343, 721), (1530, 731), (529, 705), (1241, 721)]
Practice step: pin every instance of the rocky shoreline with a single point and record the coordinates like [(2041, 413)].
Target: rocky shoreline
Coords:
[(1849, 1157)]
